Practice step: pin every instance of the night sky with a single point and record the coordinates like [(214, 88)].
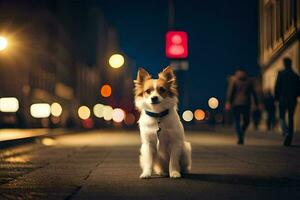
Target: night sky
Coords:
[(222, 36)]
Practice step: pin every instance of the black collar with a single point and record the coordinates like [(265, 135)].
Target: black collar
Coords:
[(157, 115)]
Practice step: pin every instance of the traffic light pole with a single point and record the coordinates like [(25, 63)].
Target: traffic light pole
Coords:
[(171, 14), (178, 62)]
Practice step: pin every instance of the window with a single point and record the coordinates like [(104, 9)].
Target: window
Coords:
[(270, 25), (289, 14), (298, 12), (278, 19)]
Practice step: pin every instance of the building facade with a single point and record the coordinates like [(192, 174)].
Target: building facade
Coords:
[(279, 37), (58, 53)]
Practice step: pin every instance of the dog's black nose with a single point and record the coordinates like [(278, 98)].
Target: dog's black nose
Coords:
[(154, 99)]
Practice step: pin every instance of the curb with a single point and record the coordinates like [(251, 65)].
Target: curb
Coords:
[(19, 141)]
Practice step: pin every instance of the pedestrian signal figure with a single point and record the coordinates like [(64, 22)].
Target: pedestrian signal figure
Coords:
[(286, 91), (239, 93)]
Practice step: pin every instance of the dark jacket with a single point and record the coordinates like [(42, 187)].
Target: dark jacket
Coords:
[(287, 86), (240, 90)]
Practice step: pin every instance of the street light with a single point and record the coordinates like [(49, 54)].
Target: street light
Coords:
[(213, 103), (199, 114), (3, 43), (9, 104), (187, 115), (84, 112), (40, 110), (116, 61), (105, 90), (56, 109)]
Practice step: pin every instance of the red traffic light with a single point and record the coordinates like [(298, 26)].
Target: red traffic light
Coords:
[(176, 44)]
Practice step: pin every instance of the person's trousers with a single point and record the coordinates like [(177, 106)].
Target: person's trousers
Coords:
[(241, 113), (287, 127), (270, 119)]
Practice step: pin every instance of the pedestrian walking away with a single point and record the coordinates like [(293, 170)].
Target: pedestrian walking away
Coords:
[(239, 93), (269, 104), (287, 88)]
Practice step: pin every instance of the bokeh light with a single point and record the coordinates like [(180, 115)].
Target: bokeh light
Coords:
[(187, 115), (9, 104), (199, 114), (213, 103), (3, 43), (98, 110), (48, 141), (56, 109), (116, 61), (118, 115), (84, 112), (129, 119), (106, 90), (88, 123), (55, 120), (40, 110), (108, 113)]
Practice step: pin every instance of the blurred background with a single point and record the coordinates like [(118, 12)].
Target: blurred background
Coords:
[(71, 64)]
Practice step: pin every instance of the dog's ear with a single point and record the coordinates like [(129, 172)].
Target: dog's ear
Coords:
[(168, 75), (142, 76)]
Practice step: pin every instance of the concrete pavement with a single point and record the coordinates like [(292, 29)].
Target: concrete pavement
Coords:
[(104, 165)]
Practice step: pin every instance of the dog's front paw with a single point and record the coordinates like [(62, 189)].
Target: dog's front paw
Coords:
[(145, 175), (175, 174)]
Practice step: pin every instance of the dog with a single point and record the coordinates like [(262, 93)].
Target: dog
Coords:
[(163, 148)]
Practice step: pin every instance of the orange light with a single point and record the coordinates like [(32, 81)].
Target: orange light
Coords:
[(199, 114), (105, 90)]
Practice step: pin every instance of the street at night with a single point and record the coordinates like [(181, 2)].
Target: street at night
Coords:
[(104, 165), (154, 100)]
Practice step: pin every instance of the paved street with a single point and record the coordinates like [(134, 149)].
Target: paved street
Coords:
[(104, 165)]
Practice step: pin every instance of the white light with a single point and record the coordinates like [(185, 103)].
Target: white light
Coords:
[(213, 103), (98, 110), (116, 61), (84, 112), (56, 109), (40, 110), (108, 113), (187, 115), (3, 43), (9, 104), (118, 115)]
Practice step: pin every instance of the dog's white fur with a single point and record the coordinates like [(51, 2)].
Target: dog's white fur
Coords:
[(167, 153)]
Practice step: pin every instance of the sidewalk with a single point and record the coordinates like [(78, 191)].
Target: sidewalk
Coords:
[(104, 164)]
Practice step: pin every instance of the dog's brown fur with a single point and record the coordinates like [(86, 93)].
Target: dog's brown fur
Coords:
[(166, 83)]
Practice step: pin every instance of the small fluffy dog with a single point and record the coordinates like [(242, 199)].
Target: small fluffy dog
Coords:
[(164, 148)]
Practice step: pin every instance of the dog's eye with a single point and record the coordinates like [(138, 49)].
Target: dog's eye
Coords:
[(162, 90), (148, 91)]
